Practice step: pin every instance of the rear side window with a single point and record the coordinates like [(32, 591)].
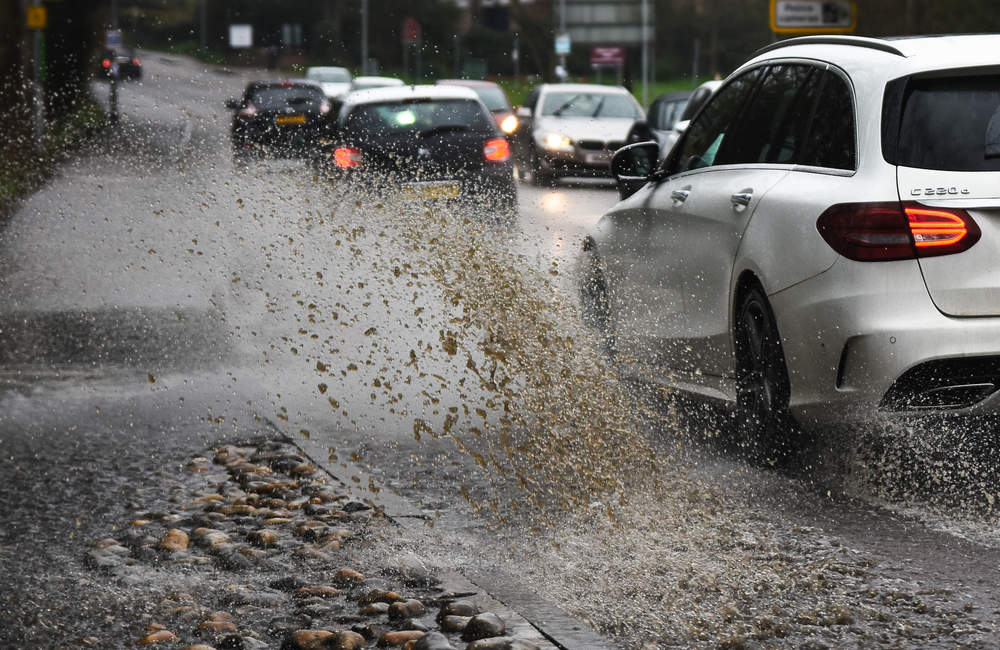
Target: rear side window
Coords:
[(950, 124), (831, 142), (774, 125), (276, 98)]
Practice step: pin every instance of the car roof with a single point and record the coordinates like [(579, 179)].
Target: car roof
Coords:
[(325, 68), (392, 80), (284, 83), (888, 58), (470, 83), (403, 93), (585, 88)]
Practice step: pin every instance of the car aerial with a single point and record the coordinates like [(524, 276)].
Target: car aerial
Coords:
[(493, 96), (333, 80), (821, 245), (426, 143), (572, 129), (661, 118), (278, 118), (365, 83), (121, 64)]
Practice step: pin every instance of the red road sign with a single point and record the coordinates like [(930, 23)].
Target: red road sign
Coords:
[(411, 30), (607, 56)]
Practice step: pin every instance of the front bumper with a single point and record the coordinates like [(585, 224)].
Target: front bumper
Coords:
[(864, 339)]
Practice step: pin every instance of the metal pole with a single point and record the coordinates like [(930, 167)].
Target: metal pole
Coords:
[(562, 30), (694, 62), (645, 54), (114, 14), (364, 37), (204, 24), (38, 105)]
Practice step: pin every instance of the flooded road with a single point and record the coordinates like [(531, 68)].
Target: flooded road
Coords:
[(154, 290)]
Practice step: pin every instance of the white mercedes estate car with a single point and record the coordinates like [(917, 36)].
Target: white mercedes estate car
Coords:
[(822, 245)]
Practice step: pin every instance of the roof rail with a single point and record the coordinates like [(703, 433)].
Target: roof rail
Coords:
[(855, 41)]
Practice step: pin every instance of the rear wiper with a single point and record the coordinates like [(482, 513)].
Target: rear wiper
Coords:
[(434, 130)]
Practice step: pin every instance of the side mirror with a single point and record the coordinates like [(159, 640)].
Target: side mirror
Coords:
[(633, 165), (523, 112), (233, 104)]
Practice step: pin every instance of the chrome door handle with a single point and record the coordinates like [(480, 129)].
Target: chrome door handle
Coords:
[(680, 195), (742, 199)]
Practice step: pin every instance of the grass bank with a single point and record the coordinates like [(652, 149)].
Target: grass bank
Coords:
[(25, 164)]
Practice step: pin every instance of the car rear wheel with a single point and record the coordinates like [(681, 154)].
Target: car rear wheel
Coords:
[(595, 306), (764, 427)]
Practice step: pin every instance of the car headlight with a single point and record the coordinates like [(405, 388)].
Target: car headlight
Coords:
[(509, 124), (558, 142)]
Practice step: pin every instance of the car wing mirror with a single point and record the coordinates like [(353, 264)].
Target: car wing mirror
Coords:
[(523, 112), (633, 165)]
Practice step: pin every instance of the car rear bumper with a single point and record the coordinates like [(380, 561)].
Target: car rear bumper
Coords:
[(864, 340)]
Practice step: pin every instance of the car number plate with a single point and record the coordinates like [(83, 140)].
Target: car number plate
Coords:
[(430, 191), (290, 119)]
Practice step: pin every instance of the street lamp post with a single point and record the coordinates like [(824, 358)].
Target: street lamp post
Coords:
[(645, 53), (364, 37)]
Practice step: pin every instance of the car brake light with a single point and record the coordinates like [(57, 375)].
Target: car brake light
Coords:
[(248, 111), (106, 63), (496, 150), (881, 232), (135, 62), (346, 157)]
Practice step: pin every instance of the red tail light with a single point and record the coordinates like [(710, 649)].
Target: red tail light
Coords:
[(881, 232), (135, 62), (346, 157), (105, 63), (497, 150)]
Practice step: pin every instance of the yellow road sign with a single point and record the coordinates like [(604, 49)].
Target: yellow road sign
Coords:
[(37, 17), (813, 16)]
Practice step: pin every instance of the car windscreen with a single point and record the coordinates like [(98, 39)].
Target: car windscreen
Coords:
[(951, 124), (418, 117), (329, 76), (276, 98), (589, 104), (493, 98)]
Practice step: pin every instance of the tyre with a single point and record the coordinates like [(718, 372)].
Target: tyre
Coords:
[(595, 305), (764, 427), (540, 177)]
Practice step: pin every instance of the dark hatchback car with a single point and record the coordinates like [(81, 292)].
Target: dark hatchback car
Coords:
[(279, 118), (429, 144), (121, 64)]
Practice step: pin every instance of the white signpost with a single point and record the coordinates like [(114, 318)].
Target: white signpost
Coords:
[(813, 16), (240, 36)]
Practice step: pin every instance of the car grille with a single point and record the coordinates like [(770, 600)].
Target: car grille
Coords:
[(599, 145)]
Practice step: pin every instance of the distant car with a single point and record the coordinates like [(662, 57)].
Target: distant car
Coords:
[(333, 80), (125, 63), (426, 143), (698, 98), (365, 83), (661, 119), (573, 129), (279, 118), (493, 96)]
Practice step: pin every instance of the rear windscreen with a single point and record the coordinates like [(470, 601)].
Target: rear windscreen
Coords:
[(951, 124), (276, 98), (418, 117)]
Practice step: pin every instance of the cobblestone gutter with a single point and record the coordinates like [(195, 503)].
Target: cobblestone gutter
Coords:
[(264, 548)]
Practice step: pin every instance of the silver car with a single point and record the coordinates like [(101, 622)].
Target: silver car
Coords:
[(822, 244), (572, 129)]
